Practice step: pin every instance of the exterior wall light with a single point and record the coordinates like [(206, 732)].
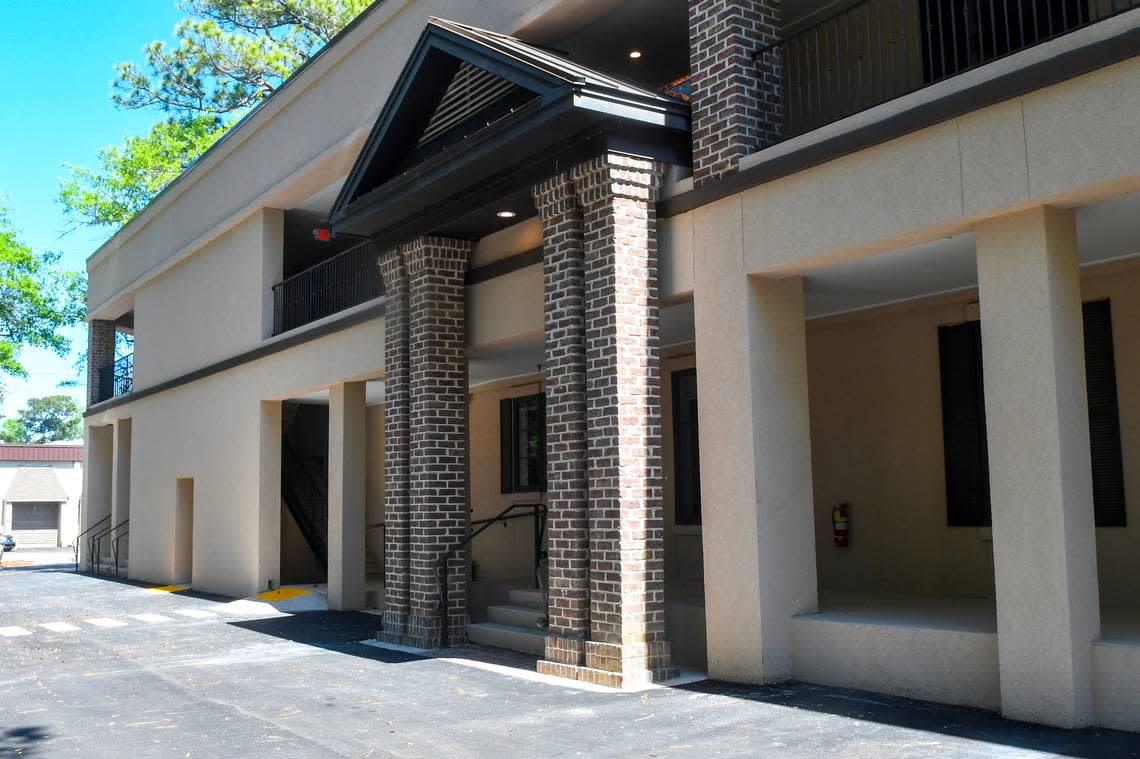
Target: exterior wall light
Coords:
[(506, 214)]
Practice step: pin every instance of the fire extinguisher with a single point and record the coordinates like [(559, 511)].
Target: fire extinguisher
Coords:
[(840, 524)]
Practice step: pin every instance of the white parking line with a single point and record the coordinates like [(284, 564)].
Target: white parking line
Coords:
[(196, 613), (13, 632), (58, 627), (151, 619), (105, 622)]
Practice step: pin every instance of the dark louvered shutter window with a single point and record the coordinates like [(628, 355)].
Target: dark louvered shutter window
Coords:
[(506, 445), (964, 426), (1104, 416)]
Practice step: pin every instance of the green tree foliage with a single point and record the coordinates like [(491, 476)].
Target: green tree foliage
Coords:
[(129, 176), (13, 432), (228, 56), (45, 420), (37, 299)]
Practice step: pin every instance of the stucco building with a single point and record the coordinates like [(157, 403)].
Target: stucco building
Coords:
[(781, 341)]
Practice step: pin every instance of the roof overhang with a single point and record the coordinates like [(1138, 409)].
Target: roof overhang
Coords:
[(571, 114)]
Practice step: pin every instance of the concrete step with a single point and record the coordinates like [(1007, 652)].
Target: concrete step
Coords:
[(531, 599), (518, 616), (374, 598), (507, 636)]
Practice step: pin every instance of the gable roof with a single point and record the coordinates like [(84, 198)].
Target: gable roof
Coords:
[(22, 452), (35, 485), (471, 104)]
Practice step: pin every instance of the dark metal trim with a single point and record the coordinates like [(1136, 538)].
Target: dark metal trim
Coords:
[(285, 343), (504, 266), (1058, 68), (474, 277)]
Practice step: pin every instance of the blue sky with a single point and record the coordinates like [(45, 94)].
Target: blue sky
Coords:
[(56, 66)]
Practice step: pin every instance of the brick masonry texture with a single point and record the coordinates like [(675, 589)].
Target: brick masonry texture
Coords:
[(565, 373), (100, 354), (393, 269), (737, 104), (615, 195), (437, 450)]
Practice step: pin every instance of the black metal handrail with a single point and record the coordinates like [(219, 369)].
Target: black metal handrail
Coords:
[(80, 535), (115, 544), (117, 379), (305, 498), (537, 510), (347, 279), (876, 50), (98, 541), (383, 545)]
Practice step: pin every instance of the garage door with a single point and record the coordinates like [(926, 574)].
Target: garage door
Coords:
[(35, 525)]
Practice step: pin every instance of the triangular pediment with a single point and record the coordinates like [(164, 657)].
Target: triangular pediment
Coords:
[(462, 91)]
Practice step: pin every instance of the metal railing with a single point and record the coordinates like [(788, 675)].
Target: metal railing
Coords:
[(115, 543), (306, 500), (96, 545), (89, 530), (117, 379), (383, 546), (343, 281), (878, 50), (536, 510)]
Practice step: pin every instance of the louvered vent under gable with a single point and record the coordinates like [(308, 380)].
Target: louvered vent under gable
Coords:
[(472, 90)]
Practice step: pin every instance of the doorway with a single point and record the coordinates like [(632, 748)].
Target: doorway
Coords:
[(184, 531)]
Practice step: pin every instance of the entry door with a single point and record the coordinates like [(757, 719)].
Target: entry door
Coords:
[(35, 525)]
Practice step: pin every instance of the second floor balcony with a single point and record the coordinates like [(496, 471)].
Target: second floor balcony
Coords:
[(345, 280), (874, 51), (117, 379)]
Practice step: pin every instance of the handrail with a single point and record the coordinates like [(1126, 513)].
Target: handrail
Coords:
[(383, 545), (538, 511), (295, 472), (115, 544), (99, 540), (77, 537), (93, 545)]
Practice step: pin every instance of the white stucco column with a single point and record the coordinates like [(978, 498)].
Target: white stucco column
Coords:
[(755, 442), (98, 456), (1040, 473), (269, 498), (347, 438), (120, 488)]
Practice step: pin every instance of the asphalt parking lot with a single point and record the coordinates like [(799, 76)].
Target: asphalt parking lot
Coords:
[(97, 667)]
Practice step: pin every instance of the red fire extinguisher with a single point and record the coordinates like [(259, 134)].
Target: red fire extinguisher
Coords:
[(840, 524)]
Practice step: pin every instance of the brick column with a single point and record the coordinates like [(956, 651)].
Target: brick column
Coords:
[(438, 517), (100, 354), (737, 103), (627, 575), (393, 269), (568, 550)]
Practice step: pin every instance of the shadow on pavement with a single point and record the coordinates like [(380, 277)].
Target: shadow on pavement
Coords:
[(21, 741), (960, 722), (338, 631)]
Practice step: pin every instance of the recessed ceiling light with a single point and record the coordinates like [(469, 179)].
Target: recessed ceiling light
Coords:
[(506, 214), (635, 54)]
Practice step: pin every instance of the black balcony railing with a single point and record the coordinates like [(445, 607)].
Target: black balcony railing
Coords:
[(343, 281), (878, 50), (117, 379)]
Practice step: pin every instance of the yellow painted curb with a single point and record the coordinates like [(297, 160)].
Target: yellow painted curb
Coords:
[(167, 588), (282, 594)]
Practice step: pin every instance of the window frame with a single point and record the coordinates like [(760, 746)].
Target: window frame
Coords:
[(693, 516), (509, 440), (1109, 464)]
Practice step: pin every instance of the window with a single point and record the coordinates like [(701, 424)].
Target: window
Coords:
[(686, 450), (522, 444), (964, 422)]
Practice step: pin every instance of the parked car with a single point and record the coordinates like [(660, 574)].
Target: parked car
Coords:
[(7, 543)]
